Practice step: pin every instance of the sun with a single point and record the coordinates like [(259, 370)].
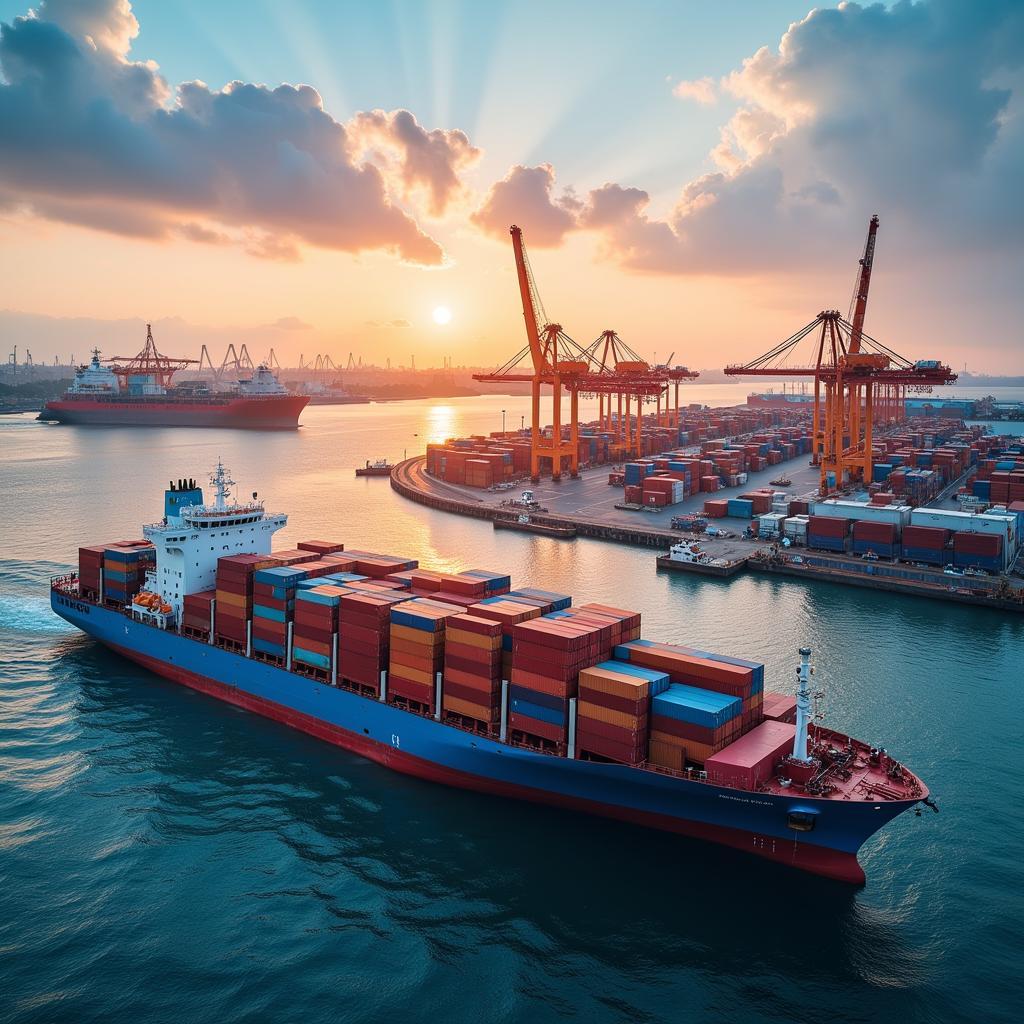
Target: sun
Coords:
[(442, 316)]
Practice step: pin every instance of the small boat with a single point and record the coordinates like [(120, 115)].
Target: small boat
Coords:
[(526, 525), (782, 481), (379, 468)]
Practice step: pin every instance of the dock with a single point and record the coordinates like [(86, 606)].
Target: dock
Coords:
[(589, 507)]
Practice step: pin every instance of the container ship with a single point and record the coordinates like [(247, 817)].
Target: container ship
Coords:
[(460, 679), (138, 392)]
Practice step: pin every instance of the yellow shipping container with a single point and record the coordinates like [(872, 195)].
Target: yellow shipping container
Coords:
[(235, 600)]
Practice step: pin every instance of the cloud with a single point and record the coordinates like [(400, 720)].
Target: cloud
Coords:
[(291, 323), (92, 137), (200, 233), (400, 323), (525, 196), (417, 159), (700, 90), (914, 111)]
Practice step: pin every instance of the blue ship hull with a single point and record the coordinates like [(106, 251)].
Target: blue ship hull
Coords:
[(755, 822)]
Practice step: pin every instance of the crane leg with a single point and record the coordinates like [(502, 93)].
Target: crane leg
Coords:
[(535, 431), (574, 433)]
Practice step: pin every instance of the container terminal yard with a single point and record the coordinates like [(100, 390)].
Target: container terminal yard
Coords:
[(872, 488)]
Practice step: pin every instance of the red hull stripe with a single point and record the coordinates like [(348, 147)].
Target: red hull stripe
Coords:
[(815, 859)]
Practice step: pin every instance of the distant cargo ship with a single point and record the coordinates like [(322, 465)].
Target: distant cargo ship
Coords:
[(459, 679), (782, 400), (334, 394), (138, 392)]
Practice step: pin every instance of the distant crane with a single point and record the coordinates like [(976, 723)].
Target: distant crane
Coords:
[(148, 362), (850, 370)]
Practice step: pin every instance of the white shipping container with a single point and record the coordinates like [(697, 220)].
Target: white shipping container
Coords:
[(978, 522), (770, 524), (897, 515), (795, 526)]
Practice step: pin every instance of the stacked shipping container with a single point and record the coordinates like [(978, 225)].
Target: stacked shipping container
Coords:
[(613, 710), (416, 657), (472, 669)]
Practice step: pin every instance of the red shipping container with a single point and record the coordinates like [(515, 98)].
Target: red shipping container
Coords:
[(883, 533), (611, 750), (828, 526), (989, 544), (751, 759), (535, 727), (931, 537), (321, 547)]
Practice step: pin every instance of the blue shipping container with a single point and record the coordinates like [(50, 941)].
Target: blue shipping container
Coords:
[(826, 543), (696, 706), (930, 556)]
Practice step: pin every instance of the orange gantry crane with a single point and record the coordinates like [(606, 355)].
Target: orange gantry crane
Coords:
[(148, 362), (859, 383), (556, 361), (625, 377)]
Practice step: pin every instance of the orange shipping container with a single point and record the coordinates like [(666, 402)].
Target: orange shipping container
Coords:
[(609, 716), (416, 675), (615, 684), (667, 755), (479, 712)]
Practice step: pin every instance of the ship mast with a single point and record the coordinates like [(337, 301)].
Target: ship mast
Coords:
[(803, 705), (222, 483)]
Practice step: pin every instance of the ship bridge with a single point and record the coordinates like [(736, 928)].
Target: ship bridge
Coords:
[(193, 535)]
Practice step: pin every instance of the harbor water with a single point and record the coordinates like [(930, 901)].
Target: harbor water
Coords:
[(165, 856)]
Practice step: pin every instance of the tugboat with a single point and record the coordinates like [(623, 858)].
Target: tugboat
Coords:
[(381, 467)]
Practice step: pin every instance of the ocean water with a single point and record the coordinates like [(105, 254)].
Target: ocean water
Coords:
[(164, 856)]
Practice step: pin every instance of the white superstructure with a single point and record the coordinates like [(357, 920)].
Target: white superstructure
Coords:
[(95, 379), (262, 382), (193, 535)]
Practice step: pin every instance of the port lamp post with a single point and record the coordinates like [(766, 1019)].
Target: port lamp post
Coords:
[(803, 705), (502, 422)]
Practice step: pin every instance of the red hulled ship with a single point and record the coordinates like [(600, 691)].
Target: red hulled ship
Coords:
[(138, 392)]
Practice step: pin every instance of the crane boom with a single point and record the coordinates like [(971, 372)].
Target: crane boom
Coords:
[(863, 283), (527, 291)]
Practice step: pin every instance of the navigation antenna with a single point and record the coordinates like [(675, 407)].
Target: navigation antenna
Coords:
[(222, 483)]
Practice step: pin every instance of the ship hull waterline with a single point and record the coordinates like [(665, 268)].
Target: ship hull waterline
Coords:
[(255, 414), (427, 749)]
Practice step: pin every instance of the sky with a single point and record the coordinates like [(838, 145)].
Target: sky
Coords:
[(323, 176)]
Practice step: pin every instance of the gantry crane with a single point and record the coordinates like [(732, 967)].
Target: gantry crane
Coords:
[(625, 377), (556, 361), (148, 361), (850, 371)]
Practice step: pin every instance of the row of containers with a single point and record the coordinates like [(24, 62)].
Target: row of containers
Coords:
[(936, 537), (525, 665), (114, 573), (677, 476), (483, 461), (1000, 478)]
